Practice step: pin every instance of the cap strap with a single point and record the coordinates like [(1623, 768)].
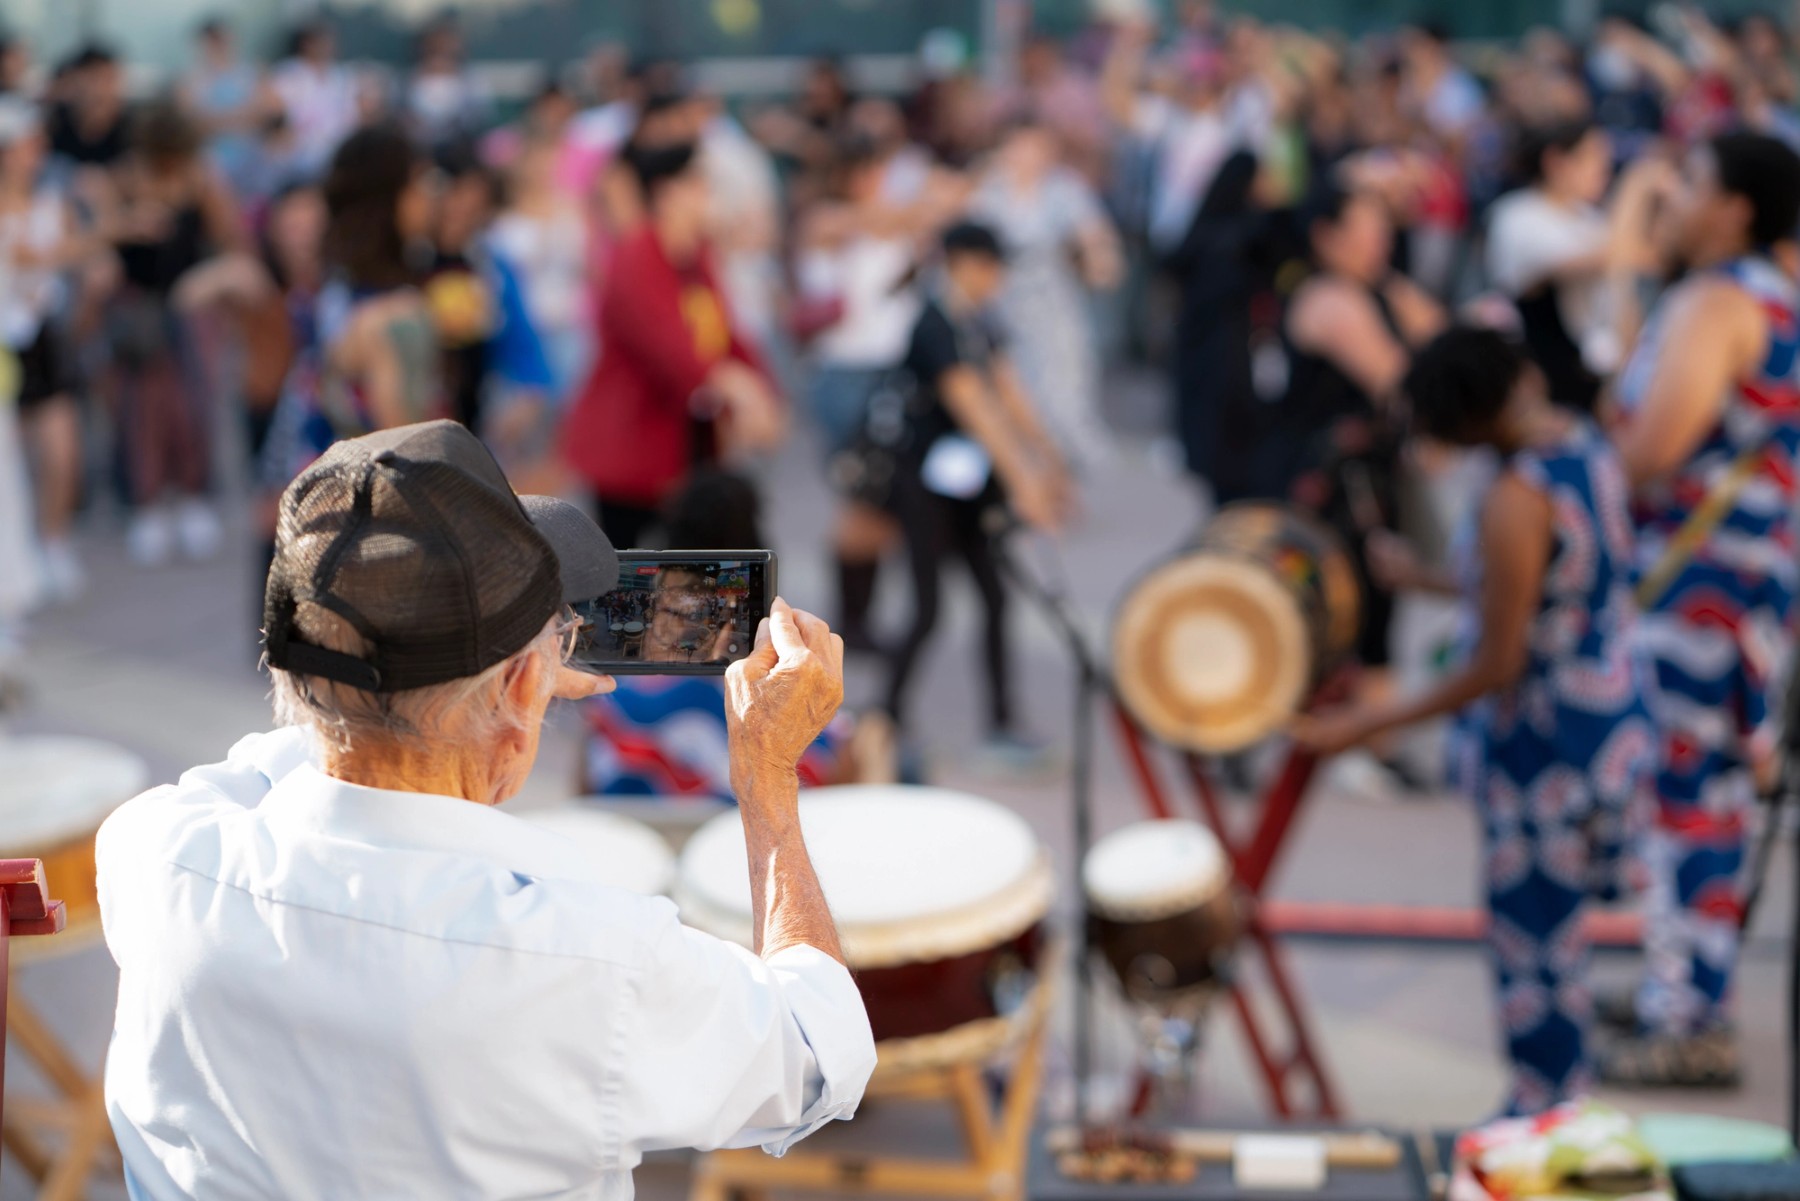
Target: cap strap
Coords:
[(303, 658)]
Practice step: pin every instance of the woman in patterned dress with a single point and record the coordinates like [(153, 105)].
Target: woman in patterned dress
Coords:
[(1712, 392), (1563, 742)]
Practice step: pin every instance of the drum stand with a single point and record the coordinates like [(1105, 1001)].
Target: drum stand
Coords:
[(25, 909), (996, 1139), (1252, 860)]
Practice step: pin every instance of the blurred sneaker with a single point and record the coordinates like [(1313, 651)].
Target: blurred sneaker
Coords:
[(64, 578), (199, 531), (150, 540), (1015, 755)]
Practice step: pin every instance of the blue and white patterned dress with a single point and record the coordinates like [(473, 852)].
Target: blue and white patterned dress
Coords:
[(1721, 639), (1557, 763)]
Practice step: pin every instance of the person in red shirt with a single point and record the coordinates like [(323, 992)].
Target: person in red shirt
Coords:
[(676, 386)]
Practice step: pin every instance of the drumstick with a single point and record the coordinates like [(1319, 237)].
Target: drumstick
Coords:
[(1367, 1149)]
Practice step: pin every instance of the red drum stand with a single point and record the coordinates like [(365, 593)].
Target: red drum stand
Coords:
[(1252, 859), (1253, 855)]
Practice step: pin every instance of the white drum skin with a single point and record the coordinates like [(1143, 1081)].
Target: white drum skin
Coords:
[(933, 891), (54, 794), (629, 854)]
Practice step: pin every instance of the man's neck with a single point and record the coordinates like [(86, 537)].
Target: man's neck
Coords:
[(396, 768)]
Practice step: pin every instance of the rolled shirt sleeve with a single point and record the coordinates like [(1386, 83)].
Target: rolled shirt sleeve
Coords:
[(736, 1051)]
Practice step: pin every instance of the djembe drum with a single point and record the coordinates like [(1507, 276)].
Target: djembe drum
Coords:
[(54, 794), (1161, 909), (1217, 648), (938, 898)]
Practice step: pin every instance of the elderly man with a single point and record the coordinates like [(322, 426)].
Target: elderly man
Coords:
[(345, 973)]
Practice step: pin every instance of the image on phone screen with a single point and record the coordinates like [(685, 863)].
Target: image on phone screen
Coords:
[(676, 613)]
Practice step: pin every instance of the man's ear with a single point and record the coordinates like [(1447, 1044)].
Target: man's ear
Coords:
[(523, 684)]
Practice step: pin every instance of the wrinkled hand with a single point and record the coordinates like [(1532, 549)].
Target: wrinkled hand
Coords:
[(1333, 731), (780, 698)]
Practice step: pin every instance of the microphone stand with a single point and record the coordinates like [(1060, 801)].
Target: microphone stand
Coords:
[(1091, 681)]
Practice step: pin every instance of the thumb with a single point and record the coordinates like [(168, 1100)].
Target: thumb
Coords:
[(784, 631), (762, 653)]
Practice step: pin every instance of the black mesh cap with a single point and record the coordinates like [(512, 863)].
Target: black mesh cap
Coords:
[(414, 538)]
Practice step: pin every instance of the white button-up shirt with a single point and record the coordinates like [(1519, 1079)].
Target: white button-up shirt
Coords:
[(335, 991)]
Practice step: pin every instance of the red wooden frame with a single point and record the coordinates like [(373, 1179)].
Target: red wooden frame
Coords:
[(25, 910)]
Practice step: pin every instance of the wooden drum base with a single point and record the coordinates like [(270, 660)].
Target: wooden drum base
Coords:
[(993, 1168), (76, 1117)]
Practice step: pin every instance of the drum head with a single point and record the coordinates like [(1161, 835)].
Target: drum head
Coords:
[(1154, 870), (54, 791), (630, 854), (912, 874), (1211, 652)]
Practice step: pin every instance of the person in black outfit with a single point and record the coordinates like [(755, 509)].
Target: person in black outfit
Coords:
[(1230, 372), (974, 446), (1350, 333)]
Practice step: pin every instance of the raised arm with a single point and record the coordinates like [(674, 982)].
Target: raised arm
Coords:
[(1714, 334), (1340, 324), (779, 699), (1515, 551), (1123, 68)]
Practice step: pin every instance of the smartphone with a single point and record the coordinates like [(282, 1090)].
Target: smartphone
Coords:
[(676, 613)]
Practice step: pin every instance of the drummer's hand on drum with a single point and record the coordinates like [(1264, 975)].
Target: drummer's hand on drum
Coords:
[(781, 696), (1334, 730)]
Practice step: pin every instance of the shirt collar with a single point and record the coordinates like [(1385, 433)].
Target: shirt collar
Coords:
[(308, 801)]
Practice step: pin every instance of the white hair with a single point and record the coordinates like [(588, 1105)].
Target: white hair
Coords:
[(469, 712)]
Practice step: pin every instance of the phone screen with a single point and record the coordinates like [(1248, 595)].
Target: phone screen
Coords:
[(676, 613)]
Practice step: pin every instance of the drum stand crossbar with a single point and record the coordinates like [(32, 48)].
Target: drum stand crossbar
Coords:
[(1252, 860)]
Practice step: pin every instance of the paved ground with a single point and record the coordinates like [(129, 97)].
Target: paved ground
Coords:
[(163, 663)]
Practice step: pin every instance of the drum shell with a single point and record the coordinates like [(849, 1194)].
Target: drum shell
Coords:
[(913, 1000), (1309, 560), (1194, 943)]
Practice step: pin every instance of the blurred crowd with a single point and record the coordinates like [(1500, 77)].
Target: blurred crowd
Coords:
[(626, 284)]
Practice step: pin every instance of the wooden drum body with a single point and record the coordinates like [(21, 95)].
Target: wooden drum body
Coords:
[(629, 854), (938, 898), (54, 794), (1215, 649), (1161, 909)]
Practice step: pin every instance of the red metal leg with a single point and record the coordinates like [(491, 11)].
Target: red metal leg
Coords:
[(1304, 1058), (1253, 861), (1280, 805), (1139, 760), (5, 976)]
